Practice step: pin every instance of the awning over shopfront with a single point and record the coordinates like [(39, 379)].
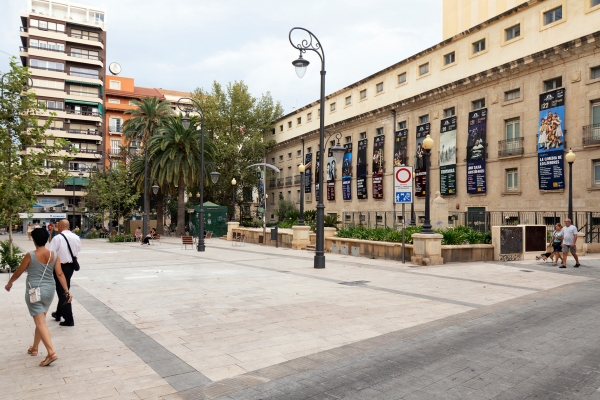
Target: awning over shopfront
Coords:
[(43, 215)]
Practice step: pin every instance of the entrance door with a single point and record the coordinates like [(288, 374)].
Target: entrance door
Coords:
[(477, 219)]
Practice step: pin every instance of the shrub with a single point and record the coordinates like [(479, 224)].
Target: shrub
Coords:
[(254, 223), (310, 215), (116, 239), (451, 236), (284, 208), (6, 260), (92, 235)]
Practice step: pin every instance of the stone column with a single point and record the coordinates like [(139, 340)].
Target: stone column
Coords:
[(300, 239), (427, 249), (439, 217), (230, 227)]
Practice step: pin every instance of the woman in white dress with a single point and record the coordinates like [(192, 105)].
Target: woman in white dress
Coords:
[(543, 135), (558, 133)]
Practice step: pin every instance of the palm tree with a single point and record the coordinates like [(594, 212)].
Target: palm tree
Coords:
[(148, 118), (176, 156)]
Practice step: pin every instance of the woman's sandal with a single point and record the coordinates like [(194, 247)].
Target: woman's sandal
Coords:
[(31, 351), (50, 358)]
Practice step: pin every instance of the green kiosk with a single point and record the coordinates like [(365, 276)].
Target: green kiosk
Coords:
[(215, 219)]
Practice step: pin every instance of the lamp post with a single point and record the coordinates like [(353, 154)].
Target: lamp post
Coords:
[(233, 183), (570, 159), (214, 176), (427, 145), (301, 169)]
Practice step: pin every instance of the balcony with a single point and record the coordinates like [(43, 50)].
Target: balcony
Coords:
[(47, 69), (115, 129), (86, 113), (288, 181), (85, 132), (272, 183), (88, 151), (510, 147), (115, 152), (42, 48), (85, 75), (85, 37), (23, 28), (591, 135), (84, 94), (297, 179), (86, 56), (279, 182)]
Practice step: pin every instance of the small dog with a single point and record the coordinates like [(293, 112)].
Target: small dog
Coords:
[(543, 256)]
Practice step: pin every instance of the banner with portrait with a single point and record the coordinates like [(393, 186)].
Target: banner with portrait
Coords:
[(551, 140), (476, 144), (317, 166), (400, 147), (361, 170), (378, 164), (448, 156), (330, 176), (420, 170), (347, 173), (308, 173)]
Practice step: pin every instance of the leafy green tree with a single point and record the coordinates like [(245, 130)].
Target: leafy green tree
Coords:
[(26, 151), (237, 123), (148, 118), (176, 156)]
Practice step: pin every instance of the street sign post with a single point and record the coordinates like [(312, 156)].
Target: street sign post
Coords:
[(403, 190)]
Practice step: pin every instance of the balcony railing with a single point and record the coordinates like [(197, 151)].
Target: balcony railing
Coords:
[(272, 183), (43, 48), (47, 69), (288, 181), (23, 29), (89, 57), (84, 94), (89, 151), (297, 179), (115, 152), (85, 75), (591, 135), (86, 113), (85, 37), (115, 129), (510, 147), (85, 132), (279, 181)]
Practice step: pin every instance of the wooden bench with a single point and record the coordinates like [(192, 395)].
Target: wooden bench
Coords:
[(187, 241)]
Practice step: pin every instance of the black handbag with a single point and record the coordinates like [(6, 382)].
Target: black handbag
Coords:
[(74, 262)]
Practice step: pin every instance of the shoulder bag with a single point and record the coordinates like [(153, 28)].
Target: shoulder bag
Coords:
[(35, 294), (74, 262)]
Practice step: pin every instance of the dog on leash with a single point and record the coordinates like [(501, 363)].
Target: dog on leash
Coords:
[(543, 256)]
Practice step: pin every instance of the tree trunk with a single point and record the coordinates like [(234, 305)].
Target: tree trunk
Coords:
[(159, 212), (10, 237), (181, 207), (146, 194)]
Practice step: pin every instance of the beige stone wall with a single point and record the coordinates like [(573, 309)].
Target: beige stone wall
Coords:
[(574, 68)]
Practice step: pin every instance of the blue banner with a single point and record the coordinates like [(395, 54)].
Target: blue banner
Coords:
[(347, 173), (551, 140)]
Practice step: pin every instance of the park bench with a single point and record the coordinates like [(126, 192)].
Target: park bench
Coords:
[(187, 241)]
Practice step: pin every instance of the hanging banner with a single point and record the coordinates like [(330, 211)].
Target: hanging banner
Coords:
[(400, 147), (308, 173), (448, 156), (420, 170), (330, 176), (476, 176), (551, 140), (361, 170), (318, 165), (347, 173), (378, 163)]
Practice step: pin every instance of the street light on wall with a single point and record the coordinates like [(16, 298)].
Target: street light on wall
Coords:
[(427, 145), (570, 157), (301, 169)]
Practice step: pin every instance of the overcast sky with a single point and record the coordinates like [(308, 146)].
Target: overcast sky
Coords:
[(185, 44)]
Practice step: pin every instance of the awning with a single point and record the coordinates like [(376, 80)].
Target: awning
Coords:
[(43, 215), (77, 181), (82, 83), (85, 103)]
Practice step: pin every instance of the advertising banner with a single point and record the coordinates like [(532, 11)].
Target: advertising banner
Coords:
[(420, 170), (330, 176), (347, 173), (476, 179), (400, 147), (317, 166), (551, 140), (361, 170), (308, 173), (378, 164), (448, 156)]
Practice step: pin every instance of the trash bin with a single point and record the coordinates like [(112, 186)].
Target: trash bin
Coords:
[(275, 235)]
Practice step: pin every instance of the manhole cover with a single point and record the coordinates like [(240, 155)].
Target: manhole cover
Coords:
[(354, 283), (526, 270)]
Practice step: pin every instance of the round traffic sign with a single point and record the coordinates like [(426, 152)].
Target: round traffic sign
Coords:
[(403, 175)]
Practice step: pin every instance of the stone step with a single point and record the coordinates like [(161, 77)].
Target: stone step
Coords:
[(311, 247)]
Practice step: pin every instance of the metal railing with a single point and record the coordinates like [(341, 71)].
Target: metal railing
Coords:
[(47, 69), (297, 180), (86, 113), (42, 48), (85, 132), (272, 183), (288, 181), (115, 152), (510, 147), (89, 57), (85, 37), (89, 151), (279, 182), (84, 94), (85, 75), (587, 222), (115, 129), (591, 135)]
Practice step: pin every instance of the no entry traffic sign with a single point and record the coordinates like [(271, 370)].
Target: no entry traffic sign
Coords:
[(403, 184)]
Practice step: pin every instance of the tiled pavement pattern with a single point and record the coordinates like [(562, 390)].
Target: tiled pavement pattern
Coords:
[(255, 322)]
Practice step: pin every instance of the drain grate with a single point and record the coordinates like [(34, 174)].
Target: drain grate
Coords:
[(354, 283), (526, 270)]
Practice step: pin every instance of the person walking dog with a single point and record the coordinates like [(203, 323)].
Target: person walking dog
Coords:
[(569, 243), (41, 264), (67, 245)]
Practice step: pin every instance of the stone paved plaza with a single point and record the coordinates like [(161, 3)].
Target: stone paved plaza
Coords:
[(257, 322)]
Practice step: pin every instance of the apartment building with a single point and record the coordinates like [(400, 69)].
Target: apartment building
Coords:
[(64, 45), (483, 95)]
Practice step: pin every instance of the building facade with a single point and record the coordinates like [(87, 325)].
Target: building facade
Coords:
[(483, 95), (64, 45)]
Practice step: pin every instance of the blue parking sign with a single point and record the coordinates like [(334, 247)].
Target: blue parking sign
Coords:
[(403, 197)]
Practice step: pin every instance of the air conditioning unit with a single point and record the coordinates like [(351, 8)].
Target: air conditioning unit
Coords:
[(67, 121), (98, 123), (51, 209), (65, 208)]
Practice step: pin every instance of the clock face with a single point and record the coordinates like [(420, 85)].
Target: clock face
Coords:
[(114, 68)]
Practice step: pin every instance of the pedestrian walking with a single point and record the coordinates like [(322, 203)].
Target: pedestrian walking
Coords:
[(41, 264), (50, 231), (557, 239), (29, 230), (67, 245), (569, 243)]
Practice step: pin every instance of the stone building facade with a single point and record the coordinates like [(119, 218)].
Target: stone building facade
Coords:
[(502, 67)]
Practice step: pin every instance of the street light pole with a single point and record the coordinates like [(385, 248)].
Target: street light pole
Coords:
[(427, 145), (570, 159), (233, 183), (214, 176), (301, 169), (146, 202)]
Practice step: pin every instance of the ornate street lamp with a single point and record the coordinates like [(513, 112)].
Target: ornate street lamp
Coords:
[(233, 183), (155, 188), (189, 105), (301, 169), (570, 159), (427, 145)]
